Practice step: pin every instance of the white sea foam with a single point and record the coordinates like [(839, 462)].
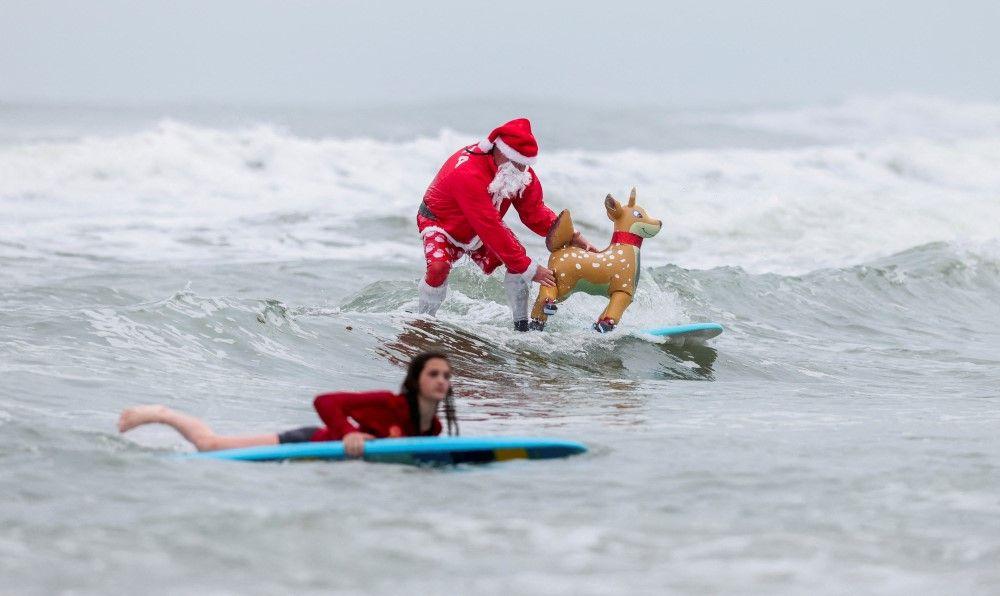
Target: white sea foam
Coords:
[(891, 175)]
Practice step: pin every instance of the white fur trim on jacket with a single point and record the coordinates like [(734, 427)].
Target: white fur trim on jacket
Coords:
[(512, 154), (469, 246)]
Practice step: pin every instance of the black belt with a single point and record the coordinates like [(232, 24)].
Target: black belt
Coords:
[(426, 212)]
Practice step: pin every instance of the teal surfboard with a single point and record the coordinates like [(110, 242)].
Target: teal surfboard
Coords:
[(694, 332), (415, 450)]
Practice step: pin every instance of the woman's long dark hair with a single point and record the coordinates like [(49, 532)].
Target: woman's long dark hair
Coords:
[(411, 389)]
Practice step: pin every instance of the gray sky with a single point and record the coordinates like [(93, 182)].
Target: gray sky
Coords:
[(351, 52)]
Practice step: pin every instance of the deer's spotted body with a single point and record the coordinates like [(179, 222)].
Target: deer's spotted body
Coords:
[(613, 272), (599, 274)]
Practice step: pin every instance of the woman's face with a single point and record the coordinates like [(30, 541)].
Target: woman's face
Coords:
[(435, 379)]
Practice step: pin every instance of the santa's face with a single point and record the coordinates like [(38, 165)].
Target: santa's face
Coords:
[(499, 158), (509, 182)]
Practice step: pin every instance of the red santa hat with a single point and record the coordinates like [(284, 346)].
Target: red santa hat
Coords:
[(514, 140)]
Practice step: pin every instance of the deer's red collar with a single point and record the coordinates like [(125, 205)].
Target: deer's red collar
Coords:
[(622, 237)]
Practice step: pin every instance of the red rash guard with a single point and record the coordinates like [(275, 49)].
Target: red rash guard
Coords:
[(379, 413), (464, 208)]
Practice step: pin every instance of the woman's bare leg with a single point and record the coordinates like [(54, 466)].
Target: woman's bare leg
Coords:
[(193, 429)]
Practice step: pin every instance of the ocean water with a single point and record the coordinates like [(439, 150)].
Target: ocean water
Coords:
[(232, 262)]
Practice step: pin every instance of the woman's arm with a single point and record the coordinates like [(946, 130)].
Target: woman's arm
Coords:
[(334, 409)]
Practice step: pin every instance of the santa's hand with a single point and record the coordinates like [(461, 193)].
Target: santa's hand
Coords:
[(580, 242), (545, 277)]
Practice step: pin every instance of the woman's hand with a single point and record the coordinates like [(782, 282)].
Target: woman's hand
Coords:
[(580, 242), (354, 443)]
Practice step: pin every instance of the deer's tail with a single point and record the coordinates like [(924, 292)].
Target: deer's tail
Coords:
[(561, 233)]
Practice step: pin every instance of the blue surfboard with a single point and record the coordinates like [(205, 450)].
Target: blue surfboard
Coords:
[(415, 450), (692, 333)]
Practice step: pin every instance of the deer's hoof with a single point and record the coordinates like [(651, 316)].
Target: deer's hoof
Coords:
[(604, 325), (536, 325)]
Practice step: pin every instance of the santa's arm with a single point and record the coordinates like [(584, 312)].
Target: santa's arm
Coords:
[(477, 206), (533, 211)]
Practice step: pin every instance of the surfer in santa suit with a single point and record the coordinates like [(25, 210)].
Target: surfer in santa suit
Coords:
[(349, 417), (463, 210)]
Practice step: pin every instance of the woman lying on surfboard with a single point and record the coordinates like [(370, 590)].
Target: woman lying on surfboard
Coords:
[(349, 417)]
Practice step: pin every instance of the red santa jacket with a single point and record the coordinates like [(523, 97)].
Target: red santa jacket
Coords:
[(464, 209), (378, 413)]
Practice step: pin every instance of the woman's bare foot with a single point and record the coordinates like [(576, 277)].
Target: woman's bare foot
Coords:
[(193, 429), (139, 415)]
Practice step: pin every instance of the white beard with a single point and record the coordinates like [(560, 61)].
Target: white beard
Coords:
[(509, 182)]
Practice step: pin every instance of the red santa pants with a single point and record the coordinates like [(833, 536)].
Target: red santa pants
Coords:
[(440, 254)]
